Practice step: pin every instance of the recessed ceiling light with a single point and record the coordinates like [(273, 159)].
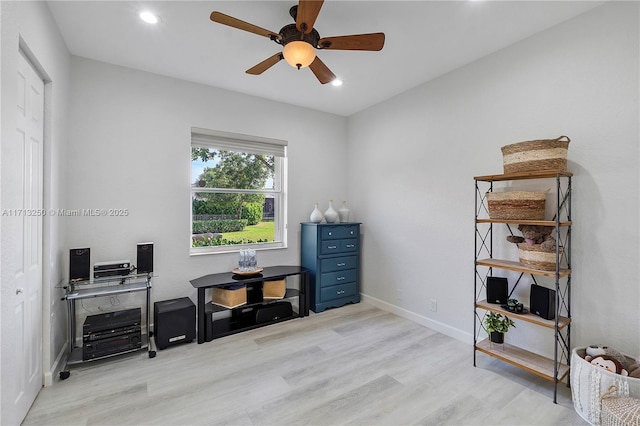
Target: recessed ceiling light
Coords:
[(336, 82), (148, 17)]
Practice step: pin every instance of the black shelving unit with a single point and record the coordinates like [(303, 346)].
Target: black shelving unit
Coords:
[(556, 368)]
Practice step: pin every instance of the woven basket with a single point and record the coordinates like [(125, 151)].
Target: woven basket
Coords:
[(536, 155), (516, 205), (619, 410), (533, 257), (274, 289), (590, 391), (229, 297)]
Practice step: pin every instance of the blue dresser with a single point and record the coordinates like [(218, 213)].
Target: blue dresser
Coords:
[(331, 252)]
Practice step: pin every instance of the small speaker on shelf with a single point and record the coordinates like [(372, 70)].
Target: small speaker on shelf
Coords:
[(79, 264), (543, 301), (497, 290), (145, 258)]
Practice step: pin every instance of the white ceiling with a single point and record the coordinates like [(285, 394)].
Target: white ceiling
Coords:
[(424, 39)]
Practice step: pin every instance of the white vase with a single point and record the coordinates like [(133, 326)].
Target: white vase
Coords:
[(343, 212), (316, 215), (331, 215)]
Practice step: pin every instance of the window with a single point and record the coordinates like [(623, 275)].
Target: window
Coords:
[(238, 192)]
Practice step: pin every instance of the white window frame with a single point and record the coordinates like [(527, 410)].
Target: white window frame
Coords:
[(215, 139)]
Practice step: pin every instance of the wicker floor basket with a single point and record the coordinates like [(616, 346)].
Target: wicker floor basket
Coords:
[(533, 257), (536, 155), (514, 205), (592, 397)]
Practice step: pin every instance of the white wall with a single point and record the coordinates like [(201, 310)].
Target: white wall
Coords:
[(418, 153), (130, 148), (32, 22)]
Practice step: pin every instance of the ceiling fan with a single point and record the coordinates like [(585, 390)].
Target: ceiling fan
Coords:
[(300, 40)]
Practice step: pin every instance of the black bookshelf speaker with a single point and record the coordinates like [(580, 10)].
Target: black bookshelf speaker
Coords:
[(79, 264), (145, 258), (542, 301), (174, 322), (497, 290)]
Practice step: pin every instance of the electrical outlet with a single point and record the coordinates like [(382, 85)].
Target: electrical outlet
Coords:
[(433, 305)]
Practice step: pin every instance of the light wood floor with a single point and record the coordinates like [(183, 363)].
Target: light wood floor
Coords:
[(352, 365)]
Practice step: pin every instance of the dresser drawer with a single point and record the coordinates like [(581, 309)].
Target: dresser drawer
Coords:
[(349, 245), (339, 263), (338, 277), (338, 291), (337, 232), (338, 246)]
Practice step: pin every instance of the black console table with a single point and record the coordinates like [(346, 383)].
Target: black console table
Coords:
[(238, 322)]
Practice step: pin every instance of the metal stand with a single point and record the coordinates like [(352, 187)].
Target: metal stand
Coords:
[(100, 288), (552, 369)]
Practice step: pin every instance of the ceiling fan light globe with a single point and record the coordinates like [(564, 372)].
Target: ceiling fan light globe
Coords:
[(148, 17), (299, 54)]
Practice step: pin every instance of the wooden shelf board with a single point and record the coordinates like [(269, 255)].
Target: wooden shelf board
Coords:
[(543, 174), (525, 222), (529, 361), (532, 318), (518, 267)]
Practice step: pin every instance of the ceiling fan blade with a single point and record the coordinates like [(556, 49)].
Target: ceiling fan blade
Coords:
[(265, 65), (373, 41), (308, 11), (321, 71), (223, 19)]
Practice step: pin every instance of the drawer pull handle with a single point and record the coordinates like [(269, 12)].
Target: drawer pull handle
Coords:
[(340, 278), (351, 245), (330, 233), (340, 292), (332, 247), (341, 264)]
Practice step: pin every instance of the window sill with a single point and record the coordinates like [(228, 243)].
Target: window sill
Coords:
[(201, 251)]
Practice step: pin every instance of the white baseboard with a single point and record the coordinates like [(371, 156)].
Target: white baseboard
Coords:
[(57, 366), (445, 329)]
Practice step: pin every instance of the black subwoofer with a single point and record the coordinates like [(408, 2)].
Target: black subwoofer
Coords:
[(174, 322)]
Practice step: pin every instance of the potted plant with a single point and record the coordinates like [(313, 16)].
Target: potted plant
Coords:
[(496, 325)]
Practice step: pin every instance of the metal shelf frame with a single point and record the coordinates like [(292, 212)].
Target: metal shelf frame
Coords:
[(104, 287), (557, 368)]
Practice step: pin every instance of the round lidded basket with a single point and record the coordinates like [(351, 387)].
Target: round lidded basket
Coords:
[(536, 155), (534, 257), (516, 205)]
